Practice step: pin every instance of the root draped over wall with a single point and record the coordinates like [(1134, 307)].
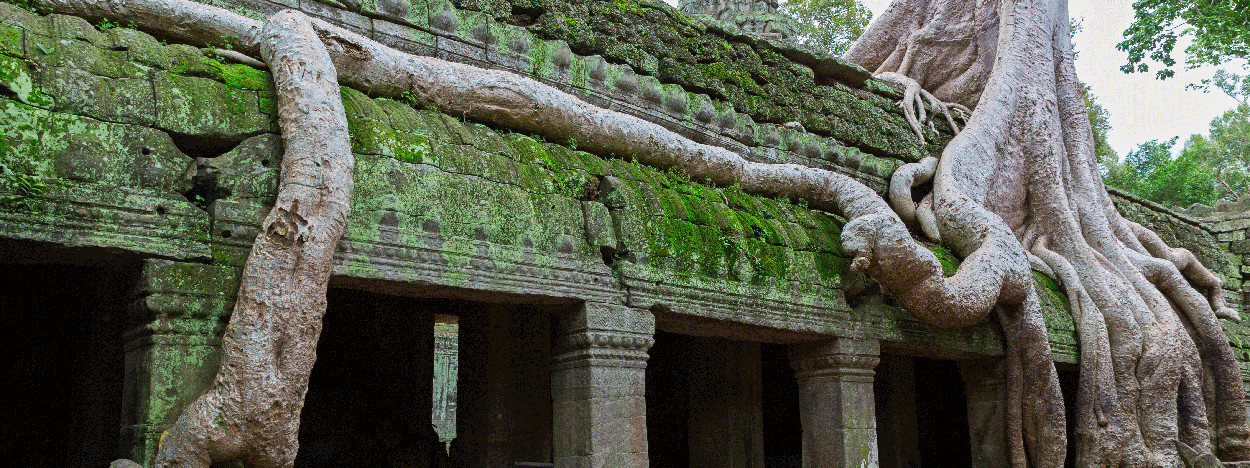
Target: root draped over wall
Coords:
[(1017, 188)]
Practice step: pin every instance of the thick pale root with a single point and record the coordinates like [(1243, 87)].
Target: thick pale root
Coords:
[(916, 103), (251, 411), (1026, 157), (876, 238)]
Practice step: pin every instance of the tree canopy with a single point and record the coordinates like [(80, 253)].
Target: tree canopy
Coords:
[(1220, 30), (830, 25), (1207, 168)]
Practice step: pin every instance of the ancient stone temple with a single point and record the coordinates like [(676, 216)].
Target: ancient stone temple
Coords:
[(500, 299)]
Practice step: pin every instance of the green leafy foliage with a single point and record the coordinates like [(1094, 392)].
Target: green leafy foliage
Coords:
[(1100, 122), (28, 5), (1151, 172), (1234, 85), (1208, 168), (830, 25), (107, 24), (1220, 30), (1226, 151)]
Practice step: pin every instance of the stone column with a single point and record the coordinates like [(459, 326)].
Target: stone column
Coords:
[(836, 404), (173, 350), (598, 373), (987, 425)]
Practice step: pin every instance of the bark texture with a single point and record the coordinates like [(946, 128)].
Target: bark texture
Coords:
[(1024, 165), (1021, 174), (251, 411)]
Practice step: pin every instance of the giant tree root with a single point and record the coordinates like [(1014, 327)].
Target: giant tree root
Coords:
[(1028, 140), (251, 411), (993, 273), (1026, 155)]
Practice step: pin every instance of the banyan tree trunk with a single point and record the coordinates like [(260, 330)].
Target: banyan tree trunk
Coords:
[(1145, 313)]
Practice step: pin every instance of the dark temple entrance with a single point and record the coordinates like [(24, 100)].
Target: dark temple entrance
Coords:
[(922, 413), (368, 401), (721, 402), (64, 366), (372, 391)]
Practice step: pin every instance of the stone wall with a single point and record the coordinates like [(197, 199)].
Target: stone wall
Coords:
[(445, 203), (1231, 229)]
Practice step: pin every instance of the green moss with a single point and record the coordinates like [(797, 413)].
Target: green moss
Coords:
[(239, 76), (950, 263), (15, 76), (831, 267)]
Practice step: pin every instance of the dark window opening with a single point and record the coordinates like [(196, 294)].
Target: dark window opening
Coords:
[(922, 413), (368, 401), (783, 430), (668, 402), (1069, 380), (721, 402), (64, 363), (942, 414), (406, 382)]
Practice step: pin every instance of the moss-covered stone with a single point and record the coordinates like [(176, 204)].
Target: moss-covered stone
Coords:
[(55, 145), (80, 54), (201, 106), (122, 100), (16, 77), (12, 40)]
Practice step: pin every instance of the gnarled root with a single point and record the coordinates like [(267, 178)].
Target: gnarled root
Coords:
[(251, 411), (903, 182), (916, 102), (1026, 157), (1189, 265), (1229, 402)]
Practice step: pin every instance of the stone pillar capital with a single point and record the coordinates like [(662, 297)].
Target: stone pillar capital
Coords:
[(605, 334), (841, 358)]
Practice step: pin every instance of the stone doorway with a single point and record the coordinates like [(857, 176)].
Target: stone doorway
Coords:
[(64, 364), (721, 402), (922, 413), (1069, 380), (369, 395), (381, 384)]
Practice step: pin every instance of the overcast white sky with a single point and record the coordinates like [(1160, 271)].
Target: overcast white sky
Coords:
[(1142, 108)]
